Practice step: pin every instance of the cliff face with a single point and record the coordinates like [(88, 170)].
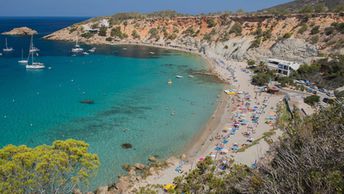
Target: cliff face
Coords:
[(293, 37)]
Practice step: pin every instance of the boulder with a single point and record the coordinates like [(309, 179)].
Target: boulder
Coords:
[(139, 166), (22, 31), (152, 159), (102, 190), (123, 184)]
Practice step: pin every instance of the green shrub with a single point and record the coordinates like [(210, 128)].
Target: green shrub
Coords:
[(315, 39), (312, 100), (303, 29), (211, 22), (117, 33), (256, 42), (251, 62), (329, 30), (102, 31), (73, 29), (287, 35), (189, 31), (236, 29), (87, 35), (261, 78), (339, 27), (153, 33), (315, 30), (172, 36), (135, 35), (109, 39)]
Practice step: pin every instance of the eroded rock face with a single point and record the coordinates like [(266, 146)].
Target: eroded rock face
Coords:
[(294, 49), (22, 31)]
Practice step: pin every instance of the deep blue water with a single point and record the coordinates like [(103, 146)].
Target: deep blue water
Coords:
[(133, 102)]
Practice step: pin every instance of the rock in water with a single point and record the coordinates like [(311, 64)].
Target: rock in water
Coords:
[(126, 167), (152, 159), (87, 102), (126, 146), (139, 166), (23, 31)]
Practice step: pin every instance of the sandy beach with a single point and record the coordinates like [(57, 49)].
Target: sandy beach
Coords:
[(212, 134)]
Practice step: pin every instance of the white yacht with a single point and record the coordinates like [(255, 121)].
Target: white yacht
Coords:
[(31, 63), (23, 61), (92, 50), (7, 49), (77, 48)]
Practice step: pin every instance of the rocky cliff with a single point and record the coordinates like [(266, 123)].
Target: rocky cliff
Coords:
[(22, 31), (298, 37)]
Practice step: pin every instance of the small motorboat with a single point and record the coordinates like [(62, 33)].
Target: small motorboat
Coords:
[(179, 76), (170, 82), (85, 53)]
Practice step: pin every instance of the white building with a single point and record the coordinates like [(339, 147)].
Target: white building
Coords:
[(104, 23), (283, 67)]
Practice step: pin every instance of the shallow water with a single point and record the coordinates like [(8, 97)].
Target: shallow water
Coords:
[(132, 101)]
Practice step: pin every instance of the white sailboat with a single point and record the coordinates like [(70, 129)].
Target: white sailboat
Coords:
[(23, 61), (7, 49), (33, 48), (33, 64), (77, 48)]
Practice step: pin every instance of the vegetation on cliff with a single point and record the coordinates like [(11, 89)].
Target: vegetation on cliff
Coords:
[(57, 168), (327, 73)]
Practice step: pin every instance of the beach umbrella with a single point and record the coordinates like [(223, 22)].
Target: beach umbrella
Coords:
[(218, 148), (169, 187)]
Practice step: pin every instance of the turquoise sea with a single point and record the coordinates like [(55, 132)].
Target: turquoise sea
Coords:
[(132, 101)]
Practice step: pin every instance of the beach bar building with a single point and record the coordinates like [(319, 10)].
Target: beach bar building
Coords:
[(283, 67)]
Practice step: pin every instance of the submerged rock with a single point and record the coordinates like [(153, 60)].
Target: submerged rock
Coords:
[(23, 31), (126, 167), (127, 146), (87, 102), (152, 159)]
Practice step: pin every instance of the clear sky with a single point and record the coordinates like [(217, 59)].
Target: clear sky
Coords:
[(109, 7)]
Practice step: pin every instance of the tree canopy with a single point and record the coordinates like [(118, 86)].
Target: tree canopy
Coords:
[(57, 168)]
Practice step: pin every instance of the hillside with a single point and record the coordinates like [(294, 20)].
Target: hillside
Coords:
[(294, 37), (307, 6)]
